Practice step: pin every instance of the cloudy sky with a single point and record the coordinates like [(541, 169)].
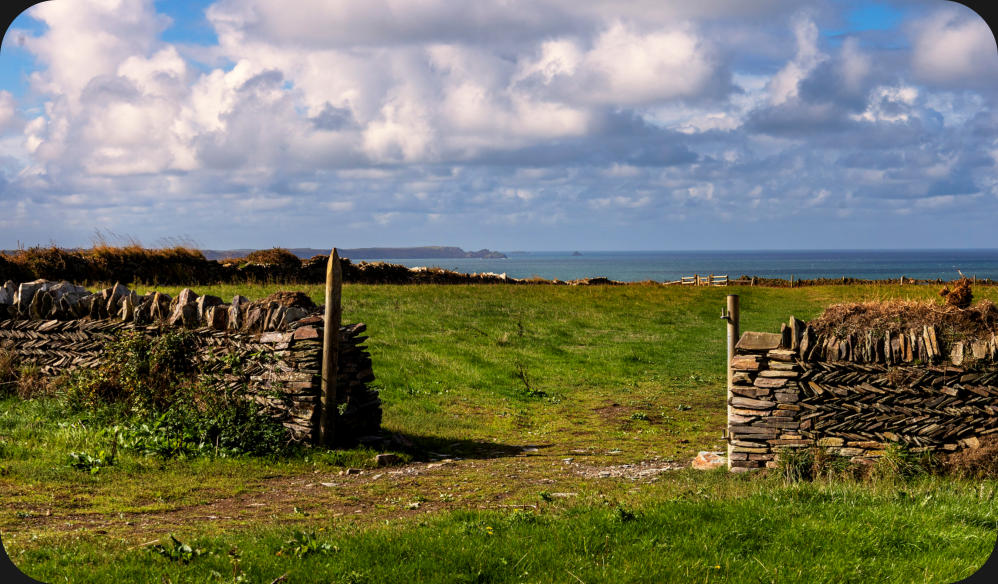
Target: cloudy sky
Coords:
[(507, 124)]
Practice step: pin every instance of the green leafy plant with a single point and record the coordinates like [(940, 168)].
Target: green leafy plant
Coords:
[(91, 463), (305, 543), (177, 552)]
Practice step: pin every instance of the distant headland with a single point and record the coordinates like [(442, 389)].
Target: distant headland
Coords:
[(372, 253)]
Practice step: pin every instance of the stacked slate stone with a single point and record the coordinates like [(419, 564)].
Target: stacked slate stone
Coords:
[(763, 414), (58, 346), (45, 300), (854, 394), (273, 352)]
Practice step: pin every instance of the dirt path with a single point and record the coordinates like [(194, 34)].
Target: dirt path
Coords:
[(360, 496)]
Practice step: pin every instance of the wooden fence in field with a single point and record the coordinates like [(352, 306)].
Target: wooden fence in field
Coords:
[(709, 280)]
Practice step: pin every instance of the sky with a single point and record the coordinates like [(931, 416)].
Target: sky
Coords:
[(501, 124)]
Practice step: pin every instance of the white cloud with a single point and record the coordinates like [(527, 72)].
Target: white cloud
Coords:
[(485, 113), (10, 120), (889, 104), (855, 65), (784, 85), (953, 45)]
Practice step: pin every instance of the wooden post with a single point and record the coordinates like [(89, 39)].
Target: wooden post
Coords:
[(331, 349), (732, 318), (902, 279)]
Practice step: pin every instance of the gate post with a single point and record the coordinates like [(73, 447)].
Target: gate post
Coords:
[(330, 349), (732, 316)]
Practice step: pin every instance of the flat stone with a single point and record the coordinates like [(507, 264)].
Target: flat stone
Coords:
[(865, 444), (217, 317), (971, 443), (789, 407), (25, 293), (748, 403), (786, 396), (796, 332), (736, 419), (706, 460), (186, 296), (275, 337), (746, 363), (781, 355), (956, 354), (830, 441), (741, 377), (753, 341), (779, 374), (742, 412), (305, 333), (748, 391), (770, 382), (752, 431), (847, 451), (311, 320), (783, 366)]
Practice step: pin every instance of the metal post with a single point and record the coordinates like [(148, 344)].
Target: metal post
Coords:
[(330, 349)]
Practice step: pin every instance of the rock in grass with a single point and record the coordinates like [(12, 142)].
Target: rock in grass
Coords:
[(387, 459), (707, 460)]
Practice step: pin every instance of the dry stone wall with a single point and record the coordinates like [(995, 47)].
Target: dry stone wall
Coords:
[(854, 395), (271, 350)]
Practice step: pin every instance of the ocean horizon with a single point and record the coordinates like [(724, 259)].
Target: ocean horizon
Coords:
[(667, 266)]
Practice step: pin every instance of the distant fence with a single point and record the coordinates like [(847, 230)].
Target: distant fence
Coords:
[(708, 280)]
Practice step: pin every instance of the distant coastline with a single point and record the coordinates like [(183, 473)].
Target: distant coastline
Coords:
[(371, 253)]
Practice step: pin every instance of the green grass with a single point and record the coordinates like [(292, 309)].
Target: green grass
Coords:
[(604, 375)]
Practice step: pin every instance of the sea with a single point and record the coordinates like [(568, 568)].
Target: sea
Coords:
[(668, 266)]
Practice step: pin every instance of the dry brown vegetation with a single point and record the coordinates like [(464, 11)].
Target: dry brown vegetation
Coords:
[(960, 296), (979, 321), (23, 379), (289, 299), (976, 463)]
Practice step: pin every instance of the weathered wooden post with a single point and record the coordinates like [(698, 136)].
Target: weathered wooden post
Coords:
[(330, 349), (732, 316)]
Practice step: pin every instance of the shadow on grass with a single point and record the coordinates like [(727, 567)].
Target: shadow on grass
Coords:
[(427, 448)]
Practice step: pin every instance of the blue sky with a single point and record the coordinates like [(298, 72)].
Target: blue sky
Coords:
[(719, 124)]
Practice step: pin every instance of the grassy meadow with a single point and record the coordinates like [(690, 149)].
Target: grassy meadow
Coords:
[(534, 423)]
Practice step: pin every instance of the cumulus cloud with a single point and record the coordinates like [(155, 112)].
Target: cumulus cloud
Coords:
[(953, 45), (482, 120)]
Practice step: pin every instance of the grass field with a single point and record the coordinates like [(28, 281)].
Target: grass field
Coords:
[(540, 419)]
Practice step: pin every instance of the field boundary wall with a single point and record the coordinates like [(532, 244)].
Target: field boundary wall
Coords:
[(853, 395), (271, 352)]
